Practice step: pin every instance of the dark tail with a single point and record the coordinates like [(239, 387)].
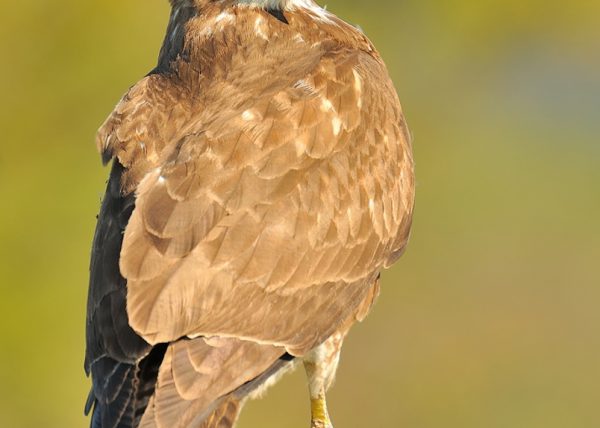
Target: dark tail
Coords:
[(121, 391)]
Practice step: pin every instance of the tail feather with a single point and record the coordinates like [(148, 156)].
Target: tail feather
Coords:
[(121, 391), (199, 383), (113, 396), (225, 415), (203, 382)]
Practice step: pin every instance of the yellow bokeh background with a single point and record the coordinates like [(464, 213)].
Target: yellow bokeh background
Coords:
[(492, 317)]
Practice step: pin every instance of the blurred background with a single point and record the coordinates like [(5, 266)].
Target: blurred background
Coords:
[(491, 319)]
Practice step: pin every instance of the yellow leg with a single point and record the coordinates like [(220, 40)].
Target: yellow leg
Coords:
[(321, 364), (319, 415)]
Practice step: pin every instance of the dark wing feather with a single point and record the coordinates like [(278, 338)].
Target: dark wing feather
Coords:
[(123, 366), (107, 330)]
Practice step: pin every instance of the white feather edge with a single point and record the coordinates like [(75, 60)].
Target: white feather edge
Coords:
[(288, 5)]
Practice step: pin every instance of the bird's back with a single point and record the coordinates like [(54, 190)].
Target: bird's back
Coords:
[(262, 177)]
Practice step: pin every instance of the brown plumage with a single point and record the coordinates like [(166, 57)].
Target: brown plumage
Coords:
[(262, 178)]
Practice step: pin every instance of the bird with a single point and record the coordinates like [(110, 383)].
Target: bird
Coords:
[(262, 177)]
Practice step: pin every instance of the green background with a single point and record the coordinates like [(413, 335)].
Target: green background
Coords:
[(491, 319)]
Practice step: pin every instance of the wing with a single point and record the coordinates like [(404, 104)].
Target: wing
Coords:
[(270, 212), (123, 368)]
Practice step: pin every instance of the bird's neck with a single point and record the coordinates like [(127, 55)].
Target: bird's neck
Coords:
[(267, 4), (182, 11), (274, 4)]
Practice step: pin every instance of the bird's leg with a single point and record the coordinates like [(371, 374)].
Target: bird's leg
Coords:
[(320, 365)]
